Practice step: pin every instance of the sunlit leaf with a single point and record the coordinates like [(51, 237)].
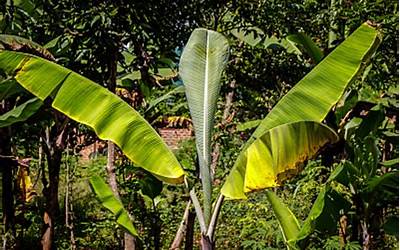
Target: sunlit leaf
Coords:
[(313, 97), (90, 104), (109, 201), (276, 155), (177, 90), (288, 223), (247, 125)]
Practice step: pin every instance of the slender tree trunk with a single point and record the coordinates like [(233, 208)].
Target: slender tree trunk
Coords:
[(190, 230), (6, 167), (68, 206), (129, 240), (53, 148), (51, 196)]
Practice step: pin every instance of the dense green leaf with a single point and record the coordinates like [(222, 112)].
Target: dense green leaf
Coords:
[(344, 173), (150, 186), (247, 125), (371, 122), (252, 36), (93, 105), (109, 201), (387, 182), (390, 163), (20, 113), (324, 214), (313, 97), (177, 90), (8, 88), (392, 226), (308, 45), (290, 227)]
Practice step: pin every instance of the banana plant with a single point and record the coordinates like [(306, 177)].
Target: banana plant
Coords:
[(323, 216), (200, 68), (10, 88), (291, 133), (87, 102), (109, 201), (309, 100)]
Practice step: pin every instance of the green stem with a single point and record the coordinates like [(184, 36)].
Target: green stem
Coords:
[(206, 184)]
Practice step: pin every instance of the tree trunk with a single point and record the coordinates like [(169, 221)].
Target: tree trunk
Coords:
[(51, 196), (6, 167), (54, 145), (68, 206), (190, 230), (129, 240), (206, 243)]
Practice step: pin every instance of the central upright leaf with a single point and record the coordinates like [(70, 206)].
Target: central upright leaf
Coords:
[(201, 66)]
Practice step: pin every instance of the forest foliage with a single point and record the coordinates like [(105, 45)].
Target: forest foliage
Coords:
[(297, 101)]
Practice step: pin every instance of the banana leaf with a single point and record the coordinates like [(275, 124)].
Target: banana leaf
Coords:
[(203, 60), (109, 201), (247, 125), (8, 88), (312, 98), (288, 223), (17, 43), (323, 217), (308, 45), (176, 90), (20, 113), (276, 155), (87, 102)]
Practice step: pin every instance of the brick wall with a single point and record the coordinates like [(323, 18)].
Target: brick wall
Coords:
[(173, 136)]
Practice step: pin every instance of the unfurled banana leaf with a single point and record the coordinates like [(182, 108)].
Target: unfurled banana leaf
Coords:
[(313, 97), (203, 60), (288, 223), (109, 201), (87, 102), (308, 45), (276, 155), (20, 113)]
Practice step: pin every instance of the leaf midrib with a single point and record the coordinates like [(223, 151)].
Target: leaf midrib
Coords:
[(205, 103)]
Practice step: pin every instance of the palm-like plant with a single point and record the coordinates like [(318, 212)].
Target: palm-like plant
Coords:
[(290, 133)]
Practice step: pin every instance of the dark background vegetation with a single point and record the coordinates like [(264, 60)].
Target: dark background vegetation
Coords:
[(147, 37)]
